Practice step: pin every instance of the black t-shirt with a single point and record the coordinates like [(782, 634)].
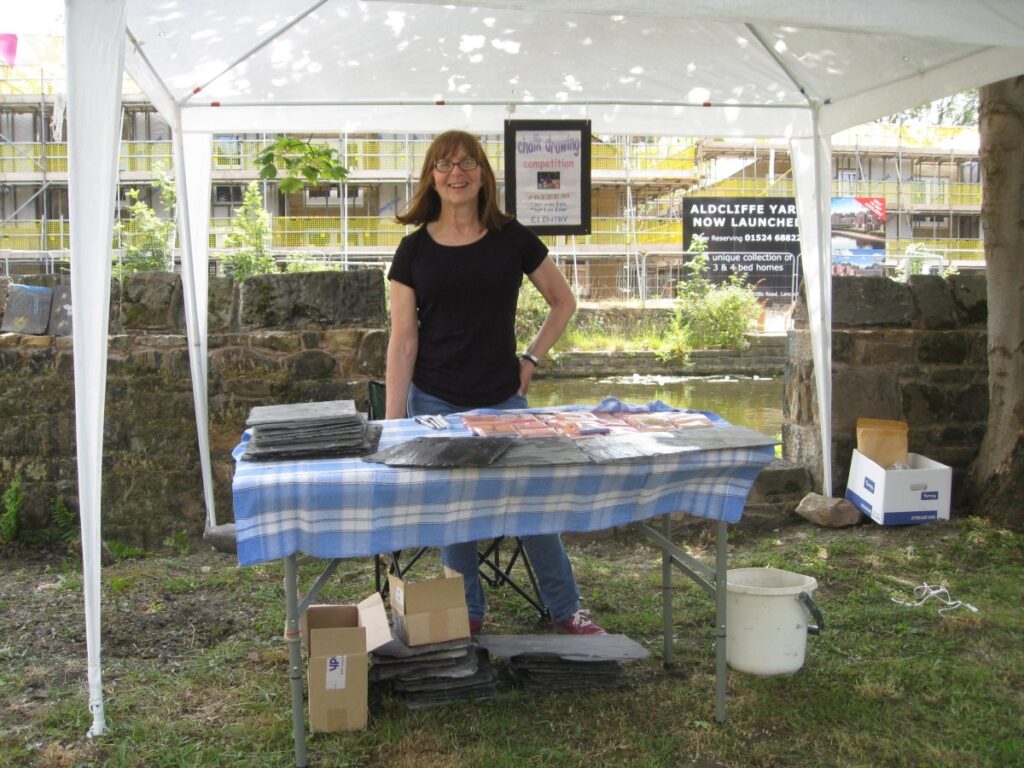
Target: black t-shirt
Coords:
[(466, 304)]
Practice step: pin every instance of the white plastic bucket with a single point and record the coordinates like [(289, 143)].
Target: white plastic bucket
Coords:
[(767, 613)]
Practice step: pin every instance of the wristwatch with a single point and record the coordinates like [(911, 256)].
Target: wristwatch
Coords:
[(532, 358)]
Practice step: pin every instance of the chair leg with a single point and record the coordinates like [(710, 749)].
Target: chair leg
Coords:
[(499, 575)]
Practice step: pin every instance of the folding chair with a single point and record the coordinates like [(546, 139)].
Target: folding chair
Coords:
[(493, 571)]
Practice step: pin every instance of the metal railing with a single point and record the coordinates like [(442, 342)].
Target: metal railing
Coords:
[(329, 233)]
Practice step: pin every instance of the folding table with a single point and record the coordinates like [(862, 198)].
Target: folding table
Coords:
[(338, 508)]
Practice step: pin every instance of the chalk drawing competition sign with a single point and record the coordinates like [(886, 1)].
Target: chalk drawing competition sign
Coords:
[(753, 236), (547, 175)]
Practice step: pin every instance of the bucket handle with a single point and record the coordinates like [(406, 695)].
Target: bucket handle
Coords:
[(809, 604)]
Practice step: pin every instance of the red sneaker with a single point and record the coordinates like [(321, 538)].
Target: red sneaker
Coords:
[(579, 623), (476, 627)]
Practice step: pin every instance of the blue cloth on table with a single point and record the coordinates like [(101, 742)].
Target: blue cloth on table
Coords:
[(351, 508)]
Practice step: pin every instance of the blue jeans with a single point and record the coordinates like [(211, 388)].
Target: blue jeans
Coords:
[(547, 555)]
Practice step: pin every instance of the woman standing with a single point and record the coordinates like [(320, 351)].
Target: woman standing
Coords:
[(454, 286)]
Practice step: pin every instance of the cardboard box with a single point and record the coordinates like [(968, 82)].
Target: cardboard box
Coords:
[(920, 494), (337, 639), (431, 611)]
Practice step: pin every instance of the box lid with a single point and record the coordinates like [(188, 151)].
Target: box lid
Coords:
[(374, 619)]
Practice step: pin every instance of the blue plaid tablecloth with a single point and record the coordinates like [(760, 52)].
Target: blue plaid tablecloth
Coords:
[(352, 508)]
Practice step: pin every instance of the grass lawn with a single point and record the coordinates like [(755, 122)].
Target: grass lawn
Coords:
[(195, 671)]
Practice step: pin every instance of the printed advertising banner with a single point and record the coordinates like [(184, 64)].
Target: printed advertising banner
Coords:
[(547, 175), (756, 237), (858, 235)]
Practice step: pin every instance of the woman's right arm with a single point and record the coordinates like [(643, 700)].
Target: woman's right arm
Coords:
[(402, 348)]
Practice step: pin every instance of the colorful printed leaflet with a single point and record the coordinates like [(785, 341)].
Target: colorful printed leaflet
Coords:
[(579, 423)]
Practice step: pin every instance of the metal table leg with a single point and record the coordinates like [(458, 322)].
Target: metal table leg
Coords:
[(291, 637), (711, 580), (721, 577), (666, 593)]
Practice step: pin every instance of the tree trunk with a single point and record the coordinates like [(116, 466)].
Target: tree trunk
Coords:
[(996, 478)]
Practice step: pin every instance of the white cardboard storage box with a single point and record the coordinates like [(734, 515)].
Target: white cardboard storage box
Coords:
[(920, 494)]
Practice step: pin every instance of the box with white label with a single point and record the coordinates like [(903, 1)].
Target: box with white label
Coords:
[(337, 639), (919, 494), (431, 611)]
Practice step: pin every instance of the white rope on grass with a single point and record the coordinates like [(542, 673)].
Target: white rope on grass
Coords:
[(926, 592)]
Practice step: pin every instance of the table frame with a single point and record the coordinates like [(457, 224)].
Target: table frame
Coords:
[(711, 580)]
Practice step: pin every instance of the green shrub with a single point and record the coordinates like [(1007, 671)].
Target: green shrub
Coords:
[(709, 315), (530, 313), (124, 551), (65, 519), (10, 516), (310, 264)]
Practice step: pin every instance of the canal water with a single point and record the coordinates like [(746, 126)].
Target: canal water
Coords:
[(749, 402)]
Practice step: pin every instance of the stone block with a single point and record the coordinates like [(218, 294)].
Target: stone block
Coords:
[(275, 341), (799, 402), (934, 301), (970, 297), (28, 309), (871, 301), (36, 342), (978, 356), (343, 342), (864, 392), (971, 403), (5, 289), (883, 347), (949, 347), (152, 301), (373, 350), (312, 364), (222, 314), (843, 346), (923, 403), (314, 299), (775, 493), (114, 318)]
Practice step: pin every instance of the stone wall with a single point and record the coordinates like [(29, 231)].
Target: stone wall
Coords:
[(763, 355), (912, 351), (273, 339)]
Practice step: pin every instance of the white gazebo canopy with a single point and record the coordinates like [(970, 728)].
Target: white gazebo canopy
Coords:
[(794, 69)]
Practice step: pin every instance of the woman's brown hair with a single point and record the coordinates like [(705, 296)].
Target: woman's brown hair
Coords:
[(425, 205)]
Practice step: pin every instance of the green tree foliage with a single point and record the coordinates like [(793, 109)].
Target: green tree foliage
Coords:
[(299, 163), (148, 239), (959, 110), (250, 231)]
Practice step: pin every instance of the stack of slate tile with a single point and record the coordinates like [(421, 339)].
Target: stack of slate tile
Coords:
[(435, 674), (563, 663), (309, 430)]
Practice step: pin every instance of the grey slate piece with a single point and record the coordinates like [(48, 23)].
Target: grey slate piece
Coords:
[(28, 310), (298, 413), (569, 647), (539, 451), (646, 444), (60, 311), (438, 452), (332, 428)]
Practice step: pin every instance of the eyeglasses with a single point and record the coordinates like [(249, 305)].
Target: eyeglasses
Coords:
[(466, 164)]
